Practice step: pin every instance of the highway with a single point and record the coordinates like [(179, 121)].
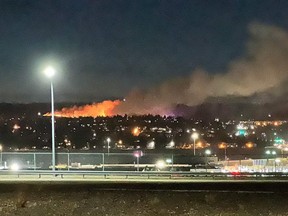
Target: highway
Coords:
[(58, 184), (108, 193), (177, 175), (148, 181)]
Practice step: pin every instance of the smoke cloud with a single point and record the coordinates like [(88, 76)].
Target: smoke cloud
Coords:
[(265, 66)]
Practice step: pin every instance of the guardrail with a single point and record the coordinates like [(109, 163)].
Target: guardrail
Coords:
[(146, 174)]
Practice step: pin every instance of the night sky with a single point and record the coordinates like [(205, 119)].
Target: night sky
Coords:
[(103, 49)]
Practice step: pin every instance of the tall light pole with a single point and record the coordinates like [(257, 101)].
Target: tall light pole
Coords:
[(207, 154), (223, 146), (276, 161), (195, 136), (50, 72), (1, 149), (108, 147), (138, 154)]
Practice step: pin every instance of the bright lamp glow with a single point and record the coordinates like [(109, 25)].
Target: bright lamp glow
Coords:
[(208, 152), (49, 71), (195, 136), (151, 145), (15, 167), (108, 139), (160, 164), (168, 160)]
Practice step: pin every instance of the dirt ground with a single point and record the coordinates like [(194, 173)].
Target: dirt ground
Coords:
[(46, 201)]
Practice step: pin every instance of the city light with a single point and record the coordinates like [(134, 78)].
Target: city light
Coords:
[(171, 145), (49, 71), (160, 164), (269, 152), (249, 145), (16, 127), (107, 134), (169, 160), (195, 136), (151, 145), (222, 145), (136, 131), (208, 152), (199, 145), (15, 167)]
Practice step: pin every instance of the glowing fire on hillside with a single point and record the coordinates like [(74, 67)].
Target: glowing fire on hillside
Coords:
[(103, 109)]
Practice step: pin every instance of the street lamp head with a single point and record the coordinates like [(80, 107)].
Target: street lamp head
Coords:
[(1, 147), (195, 136), (108, 139), (160, 164), (168, 160), (49, 72), (208, 152)]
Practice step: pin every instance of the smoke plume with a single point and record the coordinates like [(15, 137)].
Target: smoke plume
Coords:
[(265, 66)]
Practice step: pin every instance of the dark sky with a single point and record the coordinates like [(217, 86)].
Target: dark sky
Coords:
[(103, 48)]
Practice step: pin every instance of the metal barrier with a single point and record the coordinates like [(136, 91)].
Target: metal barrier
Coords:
[(147, 175)]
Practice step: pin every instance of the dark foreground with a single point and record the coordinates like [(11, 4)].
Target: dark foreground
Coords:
[(144, 199)]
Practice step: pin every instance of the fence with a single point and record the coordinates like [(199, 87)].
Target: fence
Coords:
[(98, 161)]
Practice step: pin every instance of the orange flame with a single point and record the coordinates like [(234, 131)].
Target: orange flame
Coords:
[(103, 109)]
